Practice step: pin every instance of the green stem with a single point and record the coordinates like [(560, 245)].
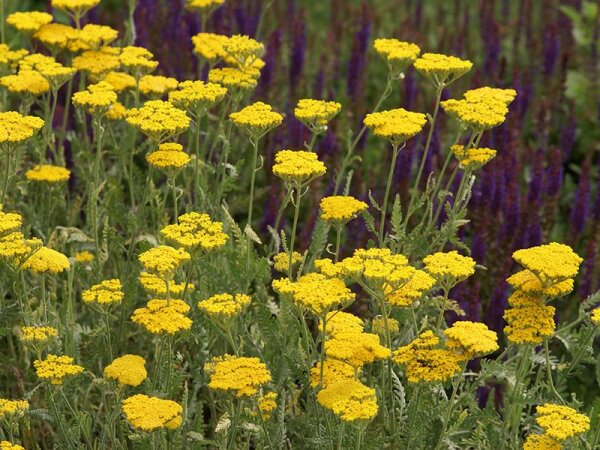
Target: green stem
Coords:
[(455, 385), (63, 434), (581, 351), (294, 226), (5, 177), (2, 24), (234, 425), (512, 417), (44, 306), (341, 435), (322, 358), (549, 372), (264, 426), (65, 117), (338, 241), (413, 416), (386, 197), (442, 310), (108, 335), (359, 438), (254, 143)]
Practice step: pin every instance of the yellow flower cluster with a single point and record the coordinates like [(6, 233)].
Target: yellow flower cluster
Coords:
[(471, 339), (339, 322), (398, 54), (541, 442), (529, 320), (156, 85), (203, 5), (137, 60), (356, 348), (56, 368), (97, 99), (281, 261), (595, 316), (223, 307), (46, 260), (233, 78), (120, 81), (93, 37), (209, 46), (9, 58), (84, 257), (267, 404), (257, 119), (316, 113), (163, 260), (396, 125), (413, 290), (376, 268), (237, 373), (197, 97), (28, 22), (298, 167), (5, 445), (242, 51), (107, 292), (12, 408), (333, 371), (100, 64), (74, 6), (9, 221), (48, 174), (170, 158), (51, 70), (196, 232), (56, 36), (442, 68), (561, 422), (379, 326), (26, 82), (551, 263), (425, 360), (158, 120), (350, 400), (38, 334), (16, 129), (481, 109), (472, 158), (14, 248), (341, 208), (152, 413), (157, 287), (315, 292), (163, 316), (449, 268), (127, 370)]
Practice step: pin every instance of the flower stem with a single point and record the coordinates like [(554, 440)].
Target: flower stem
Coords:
[(338, 241), (549, 372), (386, 197), (294, 226)]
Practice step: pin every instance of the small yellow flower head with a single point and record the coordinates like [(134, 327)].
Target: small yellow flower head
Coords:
[(413, 290), (203, 6), (151, 413), (56, 368), (378, 326), (53, 72), (424, 360), (298, 167), (97, 99), (267, 404), (163, 316), (315, 114), (26, 82), (56, 36), (281, 261), (12, 409), (449, 268), (210, 46), (169, 158), (48, 174), (333, 371), (9, 58), (551, 263), (99, 63), (595, 316), (398, 54), (396, 125), (93, 37), (561, 422), (242, 50), (528, 282), (108, 292), (233, 78), (128, 370), (341, 323), (196, 232), (482, 108), (315, 292), (350, 400), (84, 257), (5, 445), (486, 94), (137, 60), (163, 260), (120, 81), (197, 97), (541, 442), (28, 22), (116, 112), (529, 320), (441, 68), (339, 209), (16, 129), (158, 287), (473, 158), (156, 85), (257, 119), (46, 260), (356, 349), (158, 120), (471, 339), (236, 373), (75, 7), (224, 306), (14, 245), (9, 222), (39, 335)]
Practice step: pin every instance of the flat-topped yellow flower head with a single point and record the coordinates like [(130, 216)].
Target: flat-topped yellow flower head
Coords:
[(149, 414), (127, 370), (10, 58), (97, 99), (137, 60), (56, 36), (233, 78), (481, 109), (78, 7), (38, 334), (541, 442), (472, 158), (396, 125), (442, 69), (241, 51), (224, 307), (26, 82), (471, 339), (449, 268), (298, 167), (530, 320), (156, 86), (46, 260), (356, 349), (339, 209), (210, 46), (257, 119), (197, 97), (281, 261), (163, 260), (12, 409), (561, 422), (107, 292), (242, 375), (551, 263), (169, 158), (315, 114), (196, 232), (93, 37), (163, 316), (55, 369), (48, 174), (157, 287), (15, 129), (333, 371), (28, 22), (413, 290), (100, 64), (120, 81), (203, 6), (398, 54), (350, 400), (158, 120)]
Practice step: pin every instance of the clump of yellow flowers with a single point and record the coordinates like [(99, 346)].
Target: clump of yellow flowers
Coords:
[(152, 413), (55, 369), (242, 375), (127, 370)]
